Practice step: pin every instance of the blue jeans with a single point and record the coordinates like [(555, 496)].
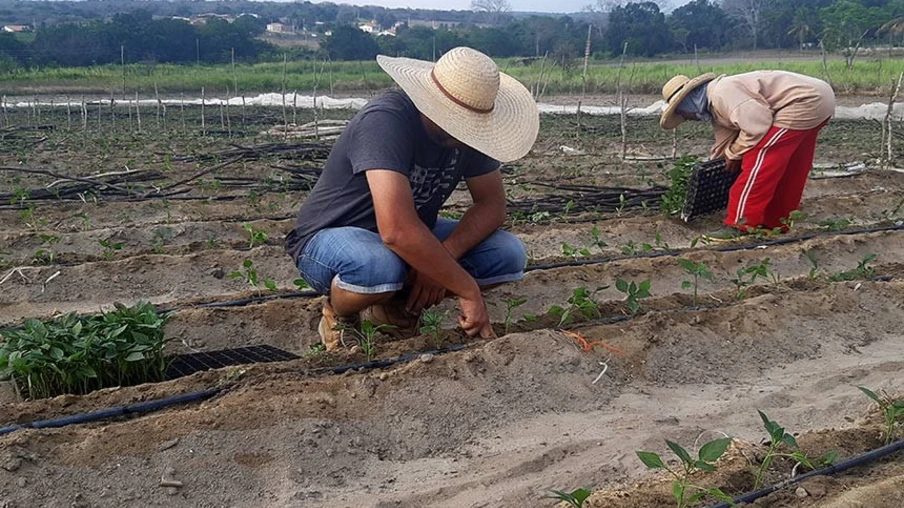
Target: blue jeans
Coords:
[(359, 262)]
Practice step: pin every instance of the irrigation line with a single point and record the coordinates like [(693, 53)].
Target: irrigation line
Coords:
[(863, 459), (118, 411), (724, 248)]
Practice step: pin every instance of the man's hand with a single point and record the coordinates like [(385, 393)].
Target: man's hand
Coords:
[(474, 319), (425, 292), (732, 166)]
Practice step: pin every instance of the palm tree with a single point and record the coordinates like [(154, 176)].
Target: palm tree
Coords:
[(800, 27)]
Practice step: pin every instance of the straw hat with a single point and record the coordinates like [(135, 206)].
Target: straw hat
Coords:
[(674, 91), (465, 94)]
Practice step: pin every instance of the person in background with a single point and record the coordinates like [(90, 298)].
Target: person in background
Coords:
[(766, 124), (369, 235)]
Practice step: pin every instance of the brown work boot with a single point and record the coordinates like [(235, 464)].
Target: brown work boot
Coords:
[(336, 331), (400, 323)]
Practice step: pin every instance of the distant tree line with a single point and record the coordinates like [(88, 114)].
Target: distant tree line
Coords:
[(94, 31), (136, 37)]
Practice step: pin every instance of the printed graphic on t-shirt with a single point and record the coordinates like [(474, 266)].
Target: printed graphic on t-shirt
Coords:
[(427, 183)]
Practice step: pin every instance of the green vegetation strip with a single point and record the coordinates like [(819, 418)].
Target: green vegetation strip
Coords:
[(646, 77)]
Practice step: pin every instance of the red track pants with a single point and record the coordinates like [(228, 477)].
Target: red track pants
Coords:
[(772, 180)]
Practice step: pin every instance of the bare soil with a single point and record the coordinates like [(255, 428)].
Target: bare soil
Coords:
[(497, 422)]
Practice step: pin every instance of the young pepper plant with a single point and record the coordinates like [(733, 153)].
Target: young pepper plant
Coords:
[(681, 486), (575, 499), (697, 271), (892, 411), (779, 439), (634, 292)]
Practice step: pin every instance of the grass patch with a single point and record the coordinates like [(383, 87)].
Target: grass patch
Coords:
[(867, 76)]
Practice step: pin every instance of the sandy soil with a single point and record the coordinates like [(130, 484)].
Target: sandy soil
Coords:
[(499, 422)]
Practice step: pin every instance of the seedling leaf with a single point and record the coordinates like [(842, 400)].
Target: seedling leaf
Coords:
[(680, 452), (651, 460), (711, 451)]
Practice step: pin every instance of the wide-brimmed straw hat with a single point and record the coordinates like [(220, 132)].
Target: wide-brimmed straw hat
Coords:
[(465, 95), (673, 92)]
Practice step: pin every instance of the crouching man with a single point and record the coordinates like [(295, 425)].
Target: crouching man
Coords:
[(369, 236), (766, 124)]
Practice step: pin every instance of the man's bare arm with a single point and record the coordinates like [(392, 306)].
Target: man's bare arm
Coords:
[(484, 217)]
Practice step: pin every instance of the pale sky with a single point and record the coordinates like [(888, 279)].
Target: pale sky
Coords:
[(561, 6)]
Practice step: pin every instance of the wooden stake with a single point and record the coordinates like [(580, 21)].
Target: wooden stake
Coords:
[(129, 106), (68, 113), (622, 103), (157, 97), (584, 76), (84, 114), (889, 119), (203, 122), (112, 111), (228, 120), (138, 111), (182, 108), (295, 107), (243, 111), (284, 114)]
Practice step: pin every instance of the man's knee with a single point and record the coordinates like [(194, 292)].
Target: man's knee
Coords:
[(512, 252), (501, 258)]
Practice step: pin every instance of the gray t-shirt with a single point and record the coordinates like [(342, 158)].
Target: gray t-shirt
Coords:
[(386, 134)]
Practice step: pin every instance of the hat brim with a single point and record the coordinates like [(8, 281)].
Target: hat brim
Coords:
[(670, 118), (506, 134)]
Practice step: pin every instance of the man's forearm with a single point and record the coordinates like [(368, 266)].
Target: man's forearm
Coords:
[(478, 223), (420, 249)]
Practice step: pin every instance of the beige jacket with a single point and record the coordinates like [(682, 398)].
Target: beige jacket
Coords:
[(746, 106)]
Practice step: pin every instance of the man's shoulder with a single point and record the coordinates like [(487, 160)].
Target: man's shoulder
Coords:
[(393, 101)]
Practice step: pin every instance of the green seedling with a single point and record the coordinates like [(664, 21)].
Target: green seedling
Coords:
[(250, 276), (634, 292), (110, 248), (697, 271), (622, 203), (779, 439), (834, 225), (596, 241), (255, 236), (864, 270), (80, 354), (43, 257), (793, 218), (574, 252), (301, 284), (629, 249), (368, 337), (892, 411), (582, 302), (569, 206), (314, 350), (510, 306), (761, 271), (432, 325), (211, 243), (161, 237), (575, 498), (672, 202), (682, 487), (657, 244), (814, 265)]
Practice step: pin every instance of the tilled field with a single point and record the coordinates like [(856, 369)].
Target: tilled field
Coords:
[(478, 423)]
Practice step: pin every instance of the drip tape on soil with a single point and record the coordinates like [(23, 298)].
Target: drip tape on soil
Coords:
[(860, 460)]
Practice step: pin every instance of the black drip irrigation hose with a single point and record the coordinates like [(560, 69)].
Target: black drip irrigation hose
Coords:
[(158, 404), (724, 248), (866, 458), (113, 412)]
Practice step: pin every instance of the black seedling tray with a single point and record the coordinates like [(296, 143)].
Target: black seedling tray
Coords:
[(184, 365), (707, 189)]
